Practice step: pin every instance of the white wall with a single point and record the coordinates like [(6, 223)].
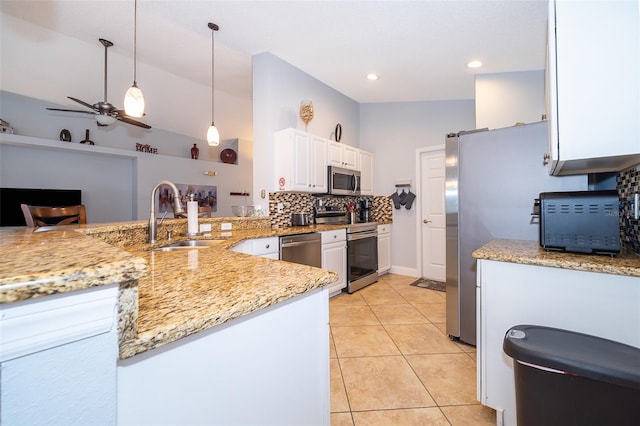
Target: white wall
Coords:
[(504, 99), (39, 68), (278, 88), (43, 64), (107, 183), (393, 132)]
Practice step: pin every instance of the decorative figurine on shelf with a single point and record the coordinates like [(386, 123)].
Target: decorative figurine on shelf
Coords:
[(306, 111), (86, 138), (65, 135), (195, 151)]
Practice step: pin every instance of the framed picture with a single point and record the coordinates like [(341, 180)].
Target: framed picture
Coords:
[(205, 195)]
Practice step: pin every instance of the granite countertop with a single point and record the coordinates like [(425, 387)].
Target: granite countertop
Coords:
[(530, 253), (36, 264), (173, 295)]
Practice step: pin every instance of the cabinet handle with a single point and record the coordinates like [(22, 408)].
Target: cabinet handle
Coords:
[(426, 221), (545, 158), (335, 236), (267, 246)]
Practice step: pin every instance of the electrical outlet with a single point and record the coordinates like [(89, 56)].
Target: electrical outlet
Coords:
[(280, 207), (226, 226)]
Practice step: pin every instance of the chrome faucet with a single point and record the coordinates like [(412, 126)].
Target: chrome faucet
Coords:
[(177, 209)]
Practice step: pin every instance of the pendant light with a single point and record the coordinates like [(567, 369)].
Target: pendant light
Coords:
[(213, 136), (133, 99)]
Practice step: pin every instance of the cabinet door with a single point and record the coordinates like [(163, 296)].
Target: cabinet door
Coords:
[(318, 165), (384, 252), (334, 258), (334, 154), (265, 247), (366, 173), (301, 161), (595, 86), (345, 156), (350, 157)]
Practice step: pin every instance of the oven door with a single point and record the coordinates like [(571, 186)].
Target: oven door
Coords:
[(362, 260)]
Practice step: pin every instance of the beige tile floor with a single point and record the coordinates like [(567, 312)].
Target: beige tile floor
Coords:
[(393, 364)]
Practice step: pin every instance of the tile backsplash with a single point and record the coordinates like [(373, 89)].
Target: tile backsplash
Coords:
[(628, 183), (298, 202)]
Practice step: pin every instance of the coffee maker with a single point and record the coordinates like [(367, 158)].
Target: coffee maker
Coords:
[(365, 211)]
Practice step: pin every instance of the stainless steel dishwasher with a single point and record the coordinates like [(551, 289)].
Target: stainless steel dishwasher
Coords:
[(302, 248)]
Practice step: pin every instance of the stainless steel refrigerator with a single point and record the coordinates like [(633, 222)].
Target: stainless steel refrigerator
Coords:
[(492, 180)]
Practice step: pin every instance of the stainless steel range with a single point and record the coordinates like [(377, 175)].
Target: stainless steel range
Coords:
[(362, 249)]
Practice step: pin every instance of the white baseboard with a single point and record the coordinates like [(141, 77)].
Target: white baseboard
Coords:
[(400, 270)]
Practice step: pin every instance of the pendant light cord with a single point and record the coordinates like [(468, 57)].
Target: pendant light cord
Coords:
[(105, 71), (213, 28), (135, 40)]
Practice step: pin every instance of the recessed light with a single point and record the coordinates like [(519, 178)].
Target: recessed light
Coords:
[(372, 76), (474, 64)]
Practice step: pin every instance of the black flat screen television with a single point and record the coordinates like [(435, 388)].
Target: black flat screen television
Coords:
[(11, 198)]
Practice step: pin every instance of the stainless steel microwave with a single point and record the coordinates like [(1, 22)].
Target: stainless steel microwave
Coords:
[(343, 181)]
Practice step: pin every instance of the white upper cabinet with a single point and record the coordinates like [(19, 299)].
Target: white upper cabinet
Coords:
[(366, 172), (300, 161), (593, 86), (345, 156)]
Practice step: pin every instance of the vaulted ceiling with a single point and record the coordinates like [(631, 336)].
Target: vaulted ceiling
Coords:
[(418, 48)]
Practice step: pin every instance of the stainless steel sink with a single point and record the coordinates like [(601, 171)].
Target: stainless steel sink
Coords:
[(189, 244)]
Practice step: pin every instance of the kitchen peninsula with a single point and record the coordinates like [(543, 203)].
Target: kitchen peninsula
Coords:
[(520, 283), (199, 336)]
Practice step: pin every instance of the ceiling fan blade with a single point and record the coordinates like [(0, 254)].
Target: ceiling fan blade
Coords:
[(132, 121), (71, 110), (82, 103)]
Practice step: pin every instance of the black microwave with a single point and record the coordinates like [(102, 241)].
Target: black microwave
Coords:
[(343, 181)]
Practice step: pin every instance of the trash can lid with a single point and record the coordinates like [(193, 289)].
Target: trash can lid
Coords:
[(575, 353)]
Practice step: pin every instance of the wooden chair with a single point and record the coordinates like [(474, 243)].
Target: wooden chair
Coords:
[(37, 216)]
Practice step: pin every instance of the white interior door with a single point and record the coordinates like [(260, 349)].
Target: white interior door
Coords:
[(432, 174)]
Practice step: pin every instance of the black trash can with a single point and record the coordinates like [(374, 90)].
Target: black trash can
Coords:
[(568, 378)]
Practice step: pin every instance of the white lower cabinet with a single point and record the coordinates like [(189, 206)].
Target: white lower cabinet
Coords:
[(384, 248), (510, 294), (58, 359), (334, 257), (266, 368), (263, 247)]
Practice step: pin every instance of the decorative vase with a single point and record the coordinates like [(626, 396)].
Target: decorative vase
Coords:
[(306, 111), (195, 152)]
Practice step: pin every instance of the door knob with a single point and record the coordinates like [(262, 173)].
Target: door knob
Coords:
[(426, 221)]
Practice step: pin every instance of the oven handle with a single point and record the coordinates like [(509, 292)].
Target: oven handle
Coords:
[(362, 235)]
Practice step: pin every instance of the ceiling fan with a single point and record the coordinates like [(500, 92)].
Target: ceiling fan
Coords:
[(105, 112)]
